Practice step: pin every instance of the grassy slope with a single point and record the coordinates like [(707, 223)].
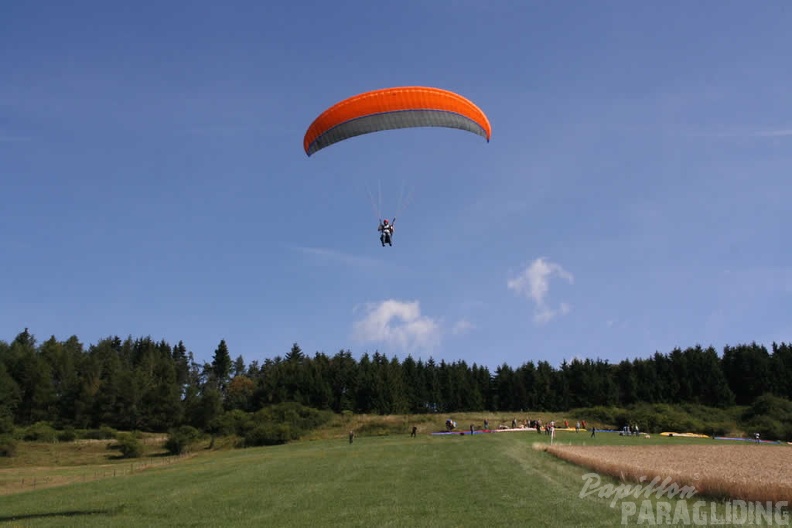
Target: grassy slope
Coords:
[(396, 480)]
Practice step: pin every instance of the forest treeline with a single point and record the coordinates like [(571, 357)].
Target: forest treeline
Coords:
[(148, 385)]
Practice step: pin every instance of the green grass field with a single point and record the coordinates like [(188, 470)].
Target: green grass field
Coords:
[(494, 479)]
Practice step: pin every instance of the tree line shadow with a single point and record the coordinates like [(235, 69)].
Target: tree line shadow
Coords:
[(68, 513)]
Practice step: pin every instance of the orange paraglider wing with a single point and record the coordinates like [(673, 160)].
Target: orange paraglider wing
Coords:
[(392, 108)]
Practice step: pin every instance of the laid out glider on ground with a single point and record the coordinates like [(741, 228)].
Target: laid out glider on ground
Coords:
[(392, 108)]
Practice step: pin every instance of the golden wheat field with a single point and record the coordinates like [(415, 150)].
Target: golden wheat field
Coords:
[(747, 472)]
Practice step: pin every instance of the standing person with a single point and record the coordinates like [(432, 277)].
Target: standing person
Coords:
[(593, 430), (471, 428), (486, 424), (414, 431), (351, 436)]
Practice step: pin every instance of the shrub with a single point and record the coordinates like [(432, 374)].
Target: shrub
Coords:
[(610, 416), (103, 433), (8, 445), (767, 427), (770, 416), (235, 422), (269, 434), (41, 432), (659, 417), (376, 427), (6, 424), (281, 423), (129, 445), (298, 417), (67, 435), (181, 440), (772, 406)]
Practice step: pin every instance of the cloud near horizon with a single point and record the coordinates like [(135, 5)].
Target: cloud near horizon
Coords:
[(398, 324), (534, 283)]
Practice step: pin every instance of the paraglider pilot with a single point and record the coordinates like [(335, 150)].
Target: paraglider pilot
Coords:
[(387, 232)]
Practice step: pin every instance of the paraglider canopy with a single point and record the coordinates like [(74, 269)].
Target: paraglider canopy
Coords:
[(392, 108)]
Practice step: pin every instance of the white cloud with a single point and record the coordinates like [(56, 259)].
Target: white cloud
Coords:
[(398, 324), (617, 323), (331, 255), (744, 132), (778, 132), (534, 283), (462, 327)]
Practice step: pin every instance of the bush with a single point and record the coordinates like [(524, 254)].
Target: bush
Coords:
[(181, 440), (772, 406), (298, 417), (281, 423), (657, 418), (770, 416), (6, 424), (8, 446), (103, 433), (67, 435), (269, 434), (276, 424), (129, 445), (41, 432), (376, 427), (235, 422), (767, 427), (610, 416)]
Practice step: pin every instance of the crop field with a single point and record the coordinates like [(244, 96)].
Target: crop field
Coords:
[(498, 479), (747, 472)]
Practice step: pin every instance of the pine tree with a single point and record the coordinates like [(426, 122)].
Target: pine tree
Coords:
[(221, 365), (239, 366)]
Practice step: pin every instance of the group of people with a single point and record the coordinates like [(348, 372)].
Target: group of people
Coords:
[(630, 430), (548, 428), (539, 426)]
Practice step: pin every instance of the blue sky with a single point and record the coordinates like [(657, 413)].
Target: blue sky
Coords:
[(635, 195)]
